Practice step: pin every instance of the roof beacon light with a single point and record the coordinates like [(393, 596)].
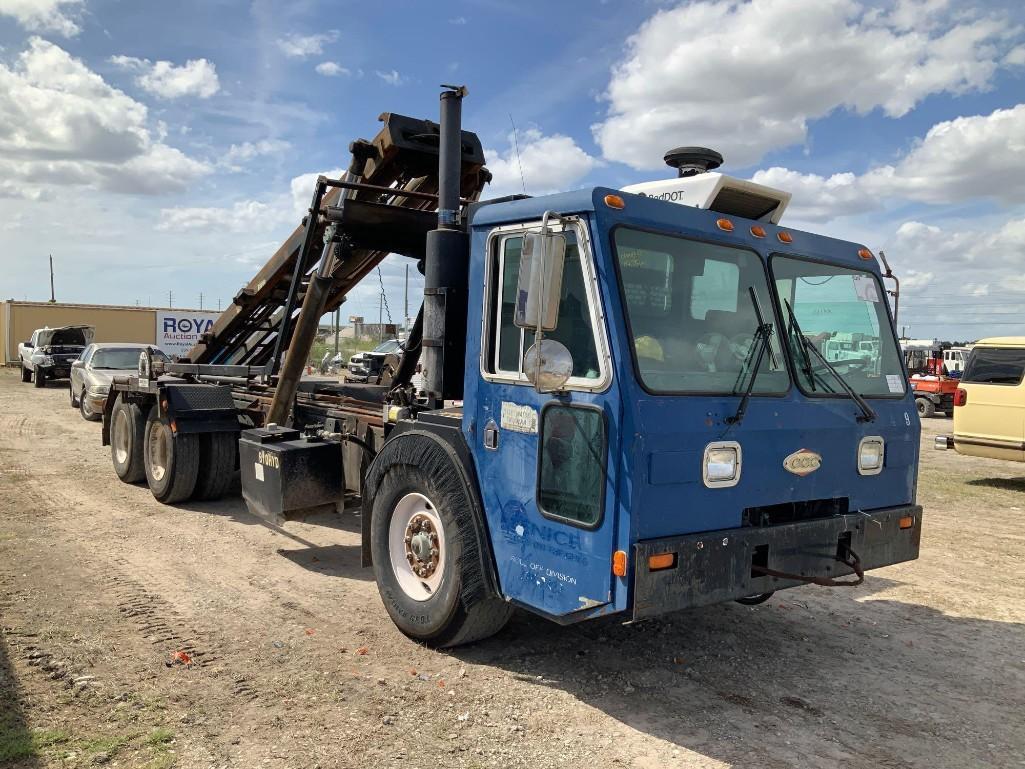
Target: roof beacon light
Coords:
[(864, 253), (724, 224), (758, 232), (785, 237), (615, 201)]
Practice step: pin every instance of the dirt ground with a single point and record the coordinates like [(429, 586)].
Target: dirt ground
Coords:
[(294, 662)]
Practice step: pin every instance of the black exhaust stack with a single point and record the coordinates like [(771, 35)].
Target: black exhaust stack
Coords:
[(447, 266)]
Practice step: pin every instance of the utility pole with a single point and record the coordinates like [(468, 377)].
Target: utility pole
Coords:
[(53, 299), (405, 309), (218, 304), (170, 298), (380, 315), (201, 300), (338, 313)]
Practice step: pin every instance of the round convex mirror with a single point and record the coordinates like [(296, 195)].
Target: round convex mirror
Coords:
[(548, 365)]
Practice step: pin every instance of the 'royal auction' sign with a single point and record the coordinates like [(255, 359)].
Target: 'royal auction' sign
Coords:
[(178, 331)]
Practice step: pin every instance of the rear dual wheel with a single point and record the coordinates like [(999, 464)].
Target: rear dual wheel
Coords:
[(171, 460)]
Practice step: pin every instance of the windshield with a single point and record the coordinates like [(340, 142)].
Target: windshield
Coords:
[(390, 346), (121, 358), (691, 315), (842, 312)]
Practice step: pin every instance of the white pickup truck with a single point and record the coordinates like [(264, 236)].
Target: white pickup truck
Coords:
[(50, 351)]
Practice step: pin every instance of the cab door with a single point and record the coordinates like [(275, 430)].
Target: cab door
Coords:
[(546, 460)]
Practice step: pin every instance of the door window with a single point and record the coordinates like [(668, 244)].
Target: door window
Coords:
[(571, 475), (574, 327)]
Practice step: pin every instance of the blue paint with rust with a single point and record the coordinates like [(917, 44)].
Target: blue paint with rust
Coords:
[(653, 482)]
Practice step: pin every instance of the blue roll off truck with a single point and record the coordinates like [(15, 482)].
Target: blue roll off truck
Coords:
[(630, 405)]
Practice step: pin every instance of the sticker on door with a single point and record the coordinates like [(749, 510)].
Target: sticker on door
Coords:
[(520, 419)]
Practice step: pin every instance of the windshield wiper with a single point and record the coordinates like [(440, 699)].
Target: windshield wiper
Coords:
[(761, 339), (867, 415)]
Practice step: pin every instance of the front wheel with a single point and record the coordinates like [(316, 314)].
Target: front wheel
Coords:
[(71, 392), (39, 378), (421, 538), (86, 411), (26, 375)]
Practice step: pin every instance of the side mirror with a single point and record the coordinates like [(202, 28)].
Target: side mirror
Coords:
[(29, 344), (77, 363), (547, 364), (539, 284)]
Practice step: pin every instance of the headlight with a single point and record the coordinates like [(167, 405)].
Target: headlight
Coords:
[(99, 390), (871, 453), (721, 464), (45, 360)]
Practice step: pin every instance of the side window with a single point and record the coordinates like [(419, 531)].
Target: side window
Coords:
[(993, 365), (571, 477), (574, 328), (87, 354)]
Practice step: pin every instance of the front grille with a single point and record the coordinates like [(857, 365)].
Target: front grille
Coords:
[(791, 512)]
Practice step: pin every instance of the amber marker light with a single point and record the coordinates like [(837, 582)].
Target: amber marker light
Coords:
[(614, 201), (907, 521), (724, 224), (661, 561), (864, 253), (619, 563), (785, 237), (758, 232)]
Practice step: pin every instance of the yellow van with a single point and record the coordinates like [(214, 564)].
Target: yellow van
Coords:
[(989, 405)]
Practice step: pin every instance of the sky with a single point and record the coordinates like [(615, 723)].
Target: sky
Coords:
[(163, 150)]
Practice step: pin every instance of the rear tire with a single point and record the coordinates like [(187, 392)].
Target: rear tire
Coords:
[(71, 392), (127, 430), (217, 452), (171, 460), (926, 408), (26, 375), (438, 611), (39, 378)]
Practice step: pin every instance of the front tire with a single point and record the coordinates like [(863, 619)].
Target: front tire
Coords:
[(926, 408), (26, 375), (87, 413), (171, 460), (428, 581), (127, 431), (71, 392), (39, 378)]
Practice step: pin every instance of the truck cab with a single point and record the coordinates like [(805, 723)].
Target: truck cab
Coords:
[(669, 470)]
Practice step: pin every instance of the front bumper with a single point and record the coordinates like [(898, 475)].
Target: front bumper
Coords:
[(55, 372), (716, 566)]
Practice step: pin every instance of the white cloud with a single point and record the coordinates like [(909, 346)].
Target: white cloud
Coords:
[(243, 153), (43, 15), (331, 69), (549, 164), (458, 21), (197, 77), (982, 156), (244, 216), (302, 190), (301, 46), (392, 77), (747, 77), (61, 124)]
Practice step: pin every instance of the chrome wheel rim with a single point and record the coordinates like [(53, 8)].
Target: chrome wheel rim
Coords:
[(83, 406), (121, 428), (416, 546), (159, 450)]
